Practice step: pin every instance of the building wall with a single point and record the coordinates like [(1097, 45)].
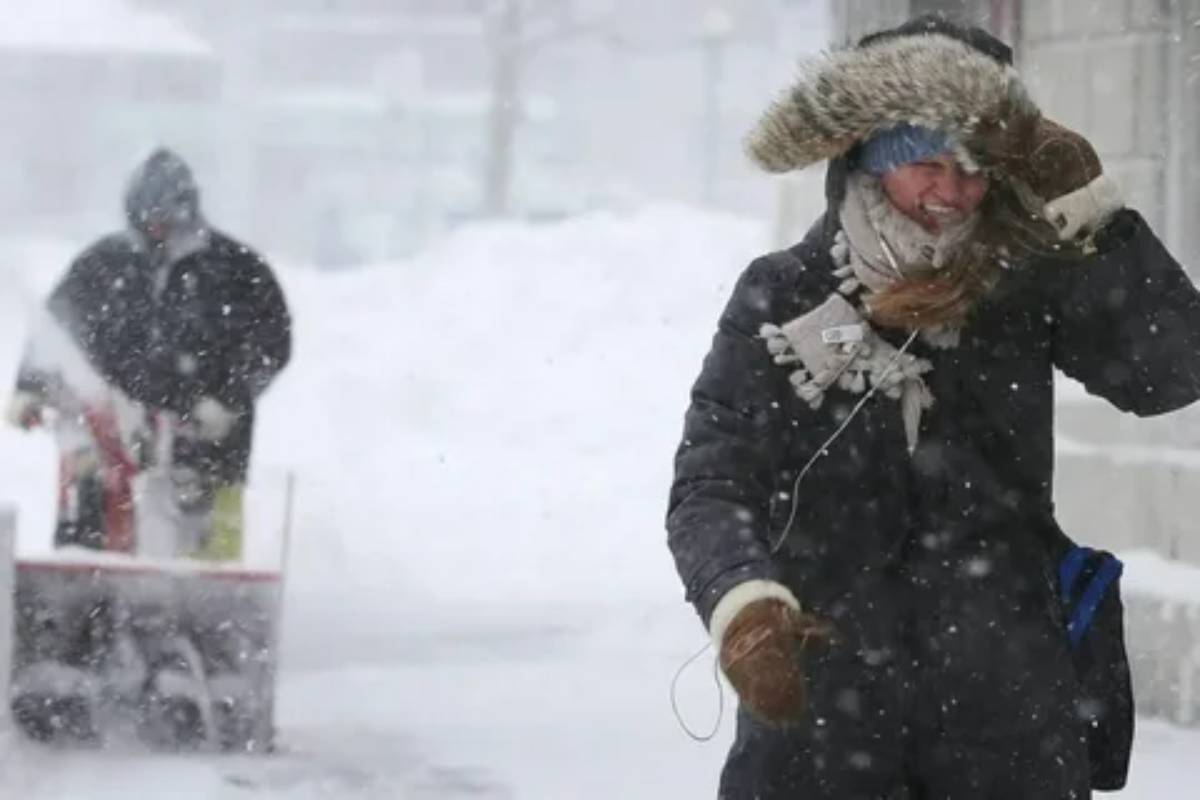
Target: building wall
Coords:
[(1182, 196)]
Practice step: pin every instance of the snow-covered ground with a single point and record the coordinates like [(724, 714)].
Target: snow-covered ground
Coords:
[(480, 602)]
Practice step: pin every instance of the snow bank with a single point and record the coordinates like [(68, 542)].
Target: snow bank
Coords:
[(490, 426)]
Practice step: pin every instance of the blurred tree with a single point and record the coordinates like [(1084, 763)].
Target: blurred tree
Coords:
[(516, 31)]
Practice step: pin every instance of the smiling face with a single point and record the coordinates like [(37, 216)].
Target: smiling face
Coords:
[(935, 192)]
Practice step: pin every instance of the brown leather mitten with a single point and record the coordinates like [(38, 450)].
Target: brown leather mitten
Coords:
[(762, 656), (1060, 161), (1050, 159), (1055, 164)]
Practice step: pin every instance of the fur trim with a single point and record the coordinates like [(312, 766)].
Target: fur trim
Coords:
[(1084, 209), (742, 595), (846, 96)]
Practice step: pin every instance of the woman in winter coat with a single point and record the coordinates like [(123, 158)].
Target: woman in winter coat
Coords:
[(861, 511)]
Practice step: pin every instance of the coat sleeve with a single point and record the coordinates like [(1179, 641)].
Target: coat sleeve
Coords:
[(262, 339), (733, 440), (249, 336), (1127, 321), (99, 304)]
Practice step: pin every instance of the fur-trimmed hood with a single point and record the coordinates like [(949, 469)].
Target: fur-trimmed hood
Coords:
[(932, 79), (933, 73)]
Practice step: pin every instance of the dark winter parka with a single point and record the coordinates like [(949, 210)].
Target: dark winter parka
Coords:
[(950, 673), (213, 322)]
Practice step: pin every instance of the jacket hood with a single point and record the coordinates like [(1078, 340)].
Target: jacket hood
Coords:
[(842, 98), (928, 71), (162, 191)]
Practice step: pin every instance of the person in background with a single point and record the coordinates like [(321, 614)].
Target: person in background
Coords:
[(177, 326)]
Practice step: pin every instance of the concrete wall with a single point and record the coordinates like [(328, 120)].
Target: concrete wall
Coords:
[(1183, 167), (854, 18), (1129, 497), (1163, 641)]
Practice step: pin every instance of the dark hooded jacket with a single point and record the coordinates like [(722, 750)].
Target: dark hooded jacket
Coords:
[(197, 315), (949, 674)]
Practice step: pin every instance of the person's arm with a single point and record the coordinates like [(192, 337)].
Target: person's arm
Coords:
[(250, 327), (735, 439), (1127, 321), (1126, 318), (725, 467), (247, 327), (262, 332)]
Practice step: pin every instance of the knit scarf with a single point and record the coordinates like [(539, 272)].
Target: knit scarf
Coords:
[(833, 345)]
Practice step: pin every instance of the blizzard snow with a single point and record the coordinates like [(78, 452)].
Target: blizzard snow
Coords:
[(480, 601), (99, 26)]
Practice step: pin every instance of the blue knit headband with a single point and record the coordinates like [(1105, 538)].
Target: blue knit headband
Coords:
[(903, 144)]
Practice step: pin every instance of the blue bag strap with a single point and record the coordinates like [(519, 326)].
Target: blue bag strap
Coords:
[(1109, 571), (1069, 569)]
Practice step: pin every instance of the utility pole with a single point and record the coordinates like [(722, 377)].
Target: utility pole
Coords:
[(505, 106), (715, 28)]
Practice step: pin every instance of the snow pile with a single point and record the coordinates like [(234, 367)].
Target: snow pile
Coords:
[(491, 425)]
